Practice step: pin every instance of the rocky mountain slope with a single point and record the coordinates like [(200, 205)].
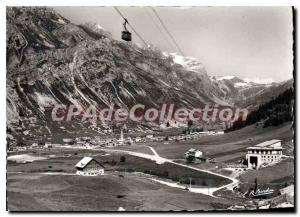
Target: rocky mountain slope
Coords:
[(50, 60), (234, 90), (53, 61), (250, 94)]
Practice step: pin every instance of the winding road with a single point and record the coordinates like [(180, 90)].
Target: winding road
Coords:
[(160, 160)]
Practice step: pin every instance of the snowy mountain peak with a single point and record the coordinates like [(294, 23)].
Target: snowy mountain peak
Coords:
[(228, 77), (94, 26), (260, 80), (189, 63), (236, 82), (99, 27)]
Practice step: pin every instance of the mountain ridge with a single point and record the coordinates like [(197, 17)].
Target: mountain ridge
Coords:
[(51, 61)]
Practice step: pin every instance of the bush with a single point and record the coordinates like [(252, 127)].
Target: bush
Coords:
[(113, 162), (187, 181), (190, 159), (204, 183), (165, 174), (122, 159)]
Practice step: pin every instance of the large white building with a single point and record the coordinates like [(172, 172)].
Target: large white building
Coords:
[(264, 153)]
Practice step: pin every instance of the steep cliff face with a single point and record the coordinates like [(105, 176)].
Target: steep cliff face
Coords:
[(52, 61), (49, 56)]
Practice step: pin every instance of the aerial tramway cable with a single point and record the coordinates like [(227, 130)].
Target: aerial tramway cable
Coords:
[(166, 29), (128, 34), (140, 37), (159, 28)]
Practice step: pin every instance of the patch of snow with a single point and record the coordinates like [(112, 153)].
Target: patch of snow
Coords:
[(44, 101), (259, 80), (189, 63), (48, 87), (140, 92), (26, 132), (47, 128), (228, 77), (46, 43), (127, 93), (61, 21), (72, 69), (97, 94), (241, 84), (164, 83), (117, 95), (99, 27)]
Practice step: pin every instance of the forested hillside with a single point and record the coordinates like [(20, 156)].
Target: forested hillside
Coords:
[(277, 111)]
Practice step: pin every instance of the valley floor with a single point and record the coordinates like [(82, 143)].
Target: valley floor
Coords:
[(142, 181), (44, 192)]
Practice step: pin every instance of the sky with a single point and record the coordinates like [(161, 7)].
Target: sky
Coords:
[(253, 43)]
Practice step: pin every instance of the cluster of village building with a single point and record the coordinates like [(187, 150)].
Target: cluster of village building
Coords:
[(257, 156)]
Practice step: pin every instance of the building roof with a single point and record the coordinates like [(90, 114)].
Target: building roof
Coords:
[(193, 150), (85, 161), (268, 143), (272, 144)]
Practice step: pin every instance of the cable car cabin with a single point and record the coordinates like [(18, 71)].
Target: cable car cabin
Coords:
[(126, 36)]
